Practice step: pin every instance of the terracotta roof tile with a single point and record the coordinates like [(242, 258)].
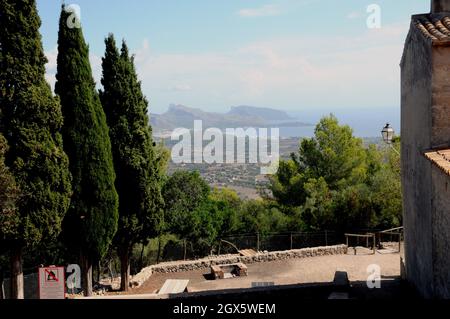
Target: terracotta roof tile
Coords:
[(441, 159), (433, 27)]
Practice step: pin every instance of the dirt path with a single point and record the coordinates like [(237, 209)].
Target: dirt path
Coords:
[(296, 271)]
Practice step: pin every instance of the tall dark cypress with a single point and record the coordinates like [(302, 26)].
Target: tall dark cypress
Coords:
[(137, 183), (91, 222), (9, 216), (30, 120)]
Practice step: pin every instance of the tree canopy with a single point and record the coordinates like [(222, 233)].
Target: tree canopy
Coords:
[(30, 120), (335, 182), (135, 161), (93, 213), (9, 216)]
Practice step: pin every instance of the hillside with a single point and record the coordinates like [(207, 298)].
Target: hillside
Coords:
[(266, 114), (242, 116)]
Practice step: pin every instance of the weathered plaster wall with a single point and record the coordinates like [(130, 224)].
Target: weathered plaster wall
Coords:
[(440, 109), (440, 138), (426, 126), (416, 170), (441, 233), (440, 6)]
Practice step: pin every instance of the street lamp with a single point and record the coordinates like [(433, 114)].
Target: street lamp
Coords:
[(388, 135)]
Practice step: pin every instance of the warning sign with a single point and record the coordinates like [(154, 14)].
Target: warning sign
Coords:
[(52, 283)]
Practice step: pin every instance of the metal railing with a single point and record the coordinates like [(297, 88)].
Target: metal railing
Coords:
[(377, 241), (280, 241)]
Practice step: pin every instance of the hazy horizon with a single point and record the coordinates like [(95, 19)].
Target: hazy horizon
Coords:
[(365, 122)]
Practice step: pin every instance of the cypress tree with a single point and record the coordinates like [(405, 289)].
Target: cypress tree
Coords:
[(30, 120), (137, 183), (9, 217), (93, 214)]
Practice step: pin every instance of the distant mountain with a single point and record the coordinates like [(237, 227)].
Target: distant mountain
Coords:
[(260, 112), (241, 116)]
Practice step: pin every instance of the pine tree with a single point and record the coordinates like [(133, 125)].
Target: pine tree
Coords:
[(30, 120), (92, 218), (137, 183)]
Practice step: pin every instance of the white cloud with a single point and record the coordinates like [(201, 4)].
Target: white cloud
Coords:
[(302, 71), (264, 11), (50, 67), (293, 72), (96, 66)]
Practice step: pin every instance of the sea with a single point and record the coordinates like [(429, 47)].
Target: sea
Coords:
[(365, 122)]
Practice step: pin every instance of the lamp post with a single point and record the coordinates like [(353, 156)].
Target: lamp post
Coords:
[(388, 134)]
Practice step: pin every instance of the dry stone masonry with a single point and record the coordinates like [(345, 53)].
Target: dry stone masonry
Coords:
[(206, 263)]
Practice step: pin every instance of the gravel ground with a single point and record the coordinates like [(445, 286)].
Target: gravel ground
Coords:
[(295, 271)]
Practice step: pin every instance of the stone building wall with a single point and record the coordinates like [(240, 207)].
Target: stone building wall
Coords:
[(440, 138), (416, 94), (440, 108), (441, 233), (425, 127)]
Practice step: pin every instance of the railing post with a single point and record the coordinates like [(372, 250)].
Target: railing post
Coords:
[(374, 244), (326, 238), (291, 242), (257, 242), (2, 286)]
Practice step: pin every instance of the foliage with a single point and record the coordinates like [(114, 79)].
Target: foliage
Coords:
[(30, 120), (183, 193), (257, 217), (335, 183), (162, 159), (387, 189), (135, 163), (9, 216), (93, 215)]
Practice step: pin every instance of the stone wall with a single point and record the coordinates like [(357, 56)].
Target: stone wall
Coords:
[(425, 126), (203, 264), (416, 94), (440, 107), (441, 233)]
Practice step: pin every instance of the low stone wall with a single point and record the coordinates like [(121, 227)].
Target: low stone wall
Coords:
[(203, 264)]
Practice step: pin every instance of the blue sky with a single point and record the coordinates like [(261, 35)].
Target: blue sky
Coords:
[(290, 54)]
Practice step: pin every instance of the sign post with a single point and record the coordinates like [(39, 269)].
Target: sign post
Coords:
[(52, 283)]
